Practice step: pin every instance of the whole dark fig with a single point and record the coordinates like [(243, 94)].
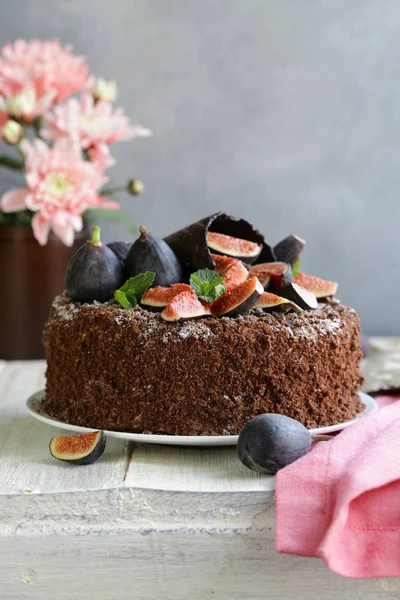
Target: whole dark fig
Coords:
[(94, 272), (120, 249), (269, 442), (149, 253)]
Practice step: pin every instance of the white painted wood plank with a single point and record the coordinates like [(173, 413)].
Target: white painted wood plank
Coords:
[(171, 567), (192, 469), (25, 462)]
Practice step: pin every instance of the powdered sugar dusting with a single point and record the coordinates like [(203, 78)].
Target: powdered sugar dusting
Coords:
[(312, 329), (65, 312)]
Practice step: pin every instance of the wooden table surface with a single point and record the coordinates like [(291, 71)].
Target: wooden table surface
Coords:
[(146, 521)]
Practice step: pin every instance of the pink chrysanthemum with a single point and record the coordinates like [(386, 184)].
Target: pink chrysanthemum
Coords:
[(35, 74), (60, 187), (91, 123)]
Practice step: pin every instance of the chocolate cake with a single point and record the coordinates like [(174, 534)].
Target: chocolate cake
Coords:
[(129, 370), (197, 334)]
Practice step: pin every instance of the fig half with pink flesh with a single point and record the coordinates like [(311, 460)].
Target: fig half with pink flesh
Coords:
[(268, 302), (159, 297), (238, 300), (272, 275), (231, 246), (82, 449), (222, 262), (319, 287), (234, 274), (185, 306)]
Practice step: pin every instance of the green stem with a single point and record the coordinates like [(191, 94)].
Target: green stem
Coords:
[(96, 236), (11, 163), (114, 190)]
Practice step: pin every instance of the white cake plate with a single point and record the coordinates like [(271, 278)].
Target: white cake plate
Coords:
[(33, 405)]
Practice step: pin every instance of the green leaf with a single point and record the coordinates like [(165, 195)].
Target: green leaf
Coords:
[(115, 216), (122, 298), (11, 163), (296, 268), (207, 284), (133, 289)]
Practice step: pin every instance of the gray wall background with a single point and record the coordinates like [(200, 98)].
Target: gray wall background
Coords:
[(285, 112)]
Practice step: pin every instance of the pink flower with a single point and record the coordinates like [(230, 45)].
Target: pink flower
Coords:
[(35, 74), (60, 187), (101, 157), (91, 123)]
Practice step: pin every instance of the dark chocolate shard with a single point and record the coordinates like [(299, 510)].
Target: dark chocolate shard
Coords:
[(190, 243)]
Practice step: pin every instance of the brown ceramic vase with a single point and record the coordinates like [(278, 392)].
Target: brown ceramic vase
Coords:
[(30, 277)]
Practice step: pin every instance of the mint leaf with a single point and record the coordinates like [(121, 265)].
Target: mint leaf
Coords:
[(139, 284), (133, 289), (122, 298), (207, 284), (296, 268)]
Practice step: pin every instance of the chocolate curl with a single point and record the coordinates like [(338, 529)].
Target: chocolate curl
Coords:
[(190, 243)]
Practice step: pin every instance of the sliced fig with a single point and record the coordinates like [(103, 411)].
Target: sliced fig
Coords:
[(267, 254), (272, 275), (238, 300), (221, 262), (185, 306), (234, 274), (149, 253), (268, 302), (190, 243), (232, 246), (289, 249), (120, 249), (94, 272), (299, 295), (82, 449), (319, 287), (159, 297)]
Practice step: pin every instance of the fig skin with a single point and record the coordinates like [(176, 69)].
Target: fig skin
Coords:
[(319, 287), (270, 441), (120, 249), (149, 253), (82, 449), (94, 272), (299, 295), (289, 249)]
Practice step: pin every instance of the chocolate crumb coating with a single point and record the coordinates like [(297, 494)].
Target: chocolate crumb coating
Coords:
[(128, 370)]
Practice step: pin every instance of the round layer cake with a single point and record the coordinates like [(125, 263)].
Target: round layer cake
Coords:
[(129, 370)]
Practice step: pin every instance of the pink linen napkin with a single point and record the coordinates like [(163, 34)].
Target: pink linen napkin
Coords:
[(341, 502)]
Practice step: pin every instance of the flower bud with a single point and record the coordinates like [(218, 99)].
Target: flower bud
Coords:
[(105, 90), (12, 132), (135, 187)]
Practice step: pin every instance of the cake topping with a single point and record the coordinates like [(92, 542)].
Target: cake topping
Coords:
[(299, 295), (224, 280), (207, 284), (319, 287), (232, 246), (130, 293), (270, 301), (149, 253), (185, 306), (289, 249), (272, 274), (159, 297), (82, 449), (238, 300), (120, 249), (269, 442), (94, 271), (191, 246)]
